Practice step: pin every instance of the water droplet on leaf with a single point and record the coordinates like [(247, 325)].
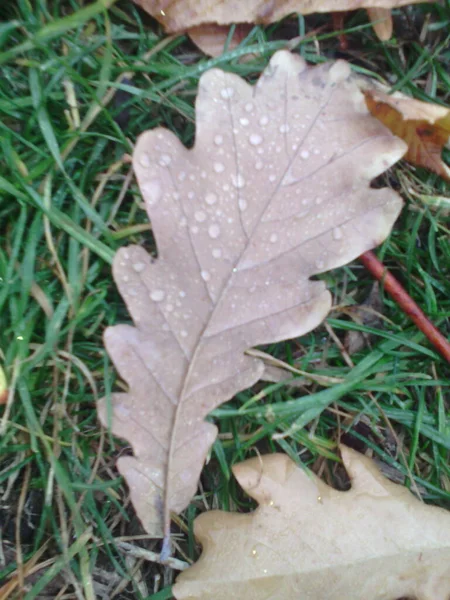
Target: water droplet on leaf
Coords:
[(210, 198), (144, 160), (200, 216), (165, 160), (214, 231), (227, 93), (255, 139), (138, 267), (238, 181), (337, 233), (157, 295), (152, 191)]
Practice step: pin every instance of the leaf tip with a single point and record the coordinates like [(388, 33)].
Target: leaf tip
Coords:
[(261, 475), (364, 474), (287, 61), (339, 72)]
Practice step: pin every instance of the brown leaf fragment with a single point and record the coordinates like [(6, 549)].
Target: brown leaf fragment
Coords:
[(275, 190), (425, 127), (211, 38), (179, 15), (308, 540), (368, 314), (381, 19), (395, 475), (274, 374)]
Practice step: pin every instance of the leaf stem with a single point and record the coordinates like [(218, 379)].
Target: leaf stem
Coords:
[(406, 303)]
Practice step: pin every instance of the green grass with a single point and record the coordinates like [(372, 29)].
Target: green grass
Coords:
[(68, 201)]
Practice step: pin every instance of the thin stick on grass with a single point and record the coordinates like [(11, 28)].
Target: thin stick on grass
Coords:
[(406, 303)]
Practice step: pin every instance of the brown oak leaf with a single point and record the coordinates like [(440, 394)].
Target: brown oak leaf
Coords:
[(180, 15), (275, 190), (208, 22)]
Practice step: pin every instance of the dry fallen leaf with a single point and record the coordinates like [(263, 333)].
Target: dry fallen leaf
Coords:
[(308, 540), (275, 190), (211, 38), (425, 127), (382, 22), (180, 15), (369, 313)]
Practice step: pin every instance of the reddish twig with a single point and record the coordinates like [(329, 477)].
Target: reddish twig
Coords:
[(338, 24), (406, 303)]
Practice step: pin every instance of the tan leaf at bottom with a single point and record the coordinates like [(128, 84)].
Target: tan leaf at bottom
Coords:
[(308, 541)]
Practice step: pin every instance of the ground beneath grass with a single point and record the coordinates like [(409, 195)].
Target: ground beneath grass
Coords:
[(78, 84)]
